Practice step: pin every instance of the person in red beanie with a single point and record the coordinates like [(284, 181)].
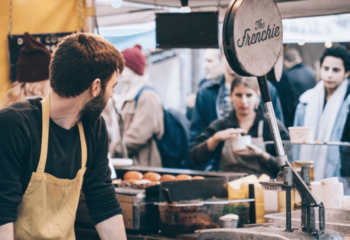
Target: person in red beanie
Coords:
[(143, 117), (32, 72)]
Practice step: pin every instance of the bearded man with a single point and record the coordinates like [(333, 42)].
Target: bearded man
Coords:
[(53, 148)]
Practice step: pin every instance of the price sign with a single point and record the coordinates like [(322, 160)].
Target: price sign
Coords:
[(16, 42)]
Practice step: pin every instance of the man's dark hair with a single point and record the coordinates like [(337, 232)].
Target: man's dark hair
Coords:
[(338, 52), (291, 54), (81, 58)]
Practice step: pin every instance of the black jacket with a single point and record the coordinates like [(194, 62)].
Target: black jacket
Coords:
[(302, 79), (200, 153)]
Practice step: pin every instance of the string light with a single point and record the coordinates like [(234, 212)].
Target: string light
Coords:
[(328, 44)]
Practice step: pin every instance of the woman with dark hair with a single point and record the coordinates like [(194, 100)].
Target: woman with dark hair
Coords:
[(249, 118)]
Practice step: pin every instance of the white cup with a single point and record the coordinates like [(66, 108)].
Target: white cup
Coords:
[(301, 134), (240, 143)]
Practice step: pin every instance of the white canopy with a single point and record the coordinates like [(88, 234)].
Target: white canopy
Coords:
[(140, 11)]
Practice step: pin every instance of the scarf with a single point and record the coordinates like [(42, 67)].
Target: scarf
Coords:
[(323, 120)]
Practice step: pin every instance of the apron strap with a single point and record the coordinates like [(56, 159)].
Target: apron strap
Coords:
[(45, 133), (261, 128), (45, 137), (83, 145)]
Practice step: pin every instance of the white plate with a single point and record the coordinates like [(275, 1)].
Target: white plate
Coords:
[(117, 162)]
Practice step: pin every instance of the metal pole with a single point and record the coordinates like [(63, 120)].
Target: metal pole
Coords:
[(288, 182), (251, 194), (288, 209), (305, 174), (311, 219), (304, 212), (265, 94), (321, 217), (90, 16)]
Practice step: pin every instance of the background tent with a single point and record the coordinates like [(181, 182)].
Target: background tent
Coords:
[(33, 16), (139, 11)]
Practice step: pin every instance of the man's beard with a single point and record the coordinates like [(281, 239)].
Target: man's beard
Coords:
[(93, 109)]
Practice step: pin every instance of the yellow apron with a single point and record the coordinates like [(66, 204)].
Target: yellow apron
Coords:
[(49, 204)]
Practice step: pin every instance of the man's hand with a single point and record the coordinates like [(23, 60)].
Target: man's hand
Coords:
[(111, 229), (6, 231)]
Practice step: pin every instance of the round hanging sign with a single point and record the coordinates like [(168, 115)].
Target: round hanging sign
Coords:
[(252, 36)]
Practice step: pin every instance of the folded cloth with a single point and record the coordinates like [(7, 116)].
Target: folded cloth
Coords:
[(333, 192), (332, 195)]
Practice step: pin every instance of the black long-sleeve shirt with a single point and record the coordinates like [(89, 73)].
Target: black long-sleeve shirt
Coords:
[(20, 145)]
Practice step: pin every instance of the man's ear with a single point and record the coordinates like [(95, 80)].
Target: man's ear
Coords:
[(96, 87), (347, 74)]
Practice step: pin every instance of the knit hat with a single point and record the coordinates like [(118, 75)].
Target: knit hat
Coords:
[(34, 60), (134, 59)]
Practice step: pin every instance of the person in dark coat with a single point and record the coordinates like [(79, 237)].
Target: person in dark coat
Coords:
[(214, 143), (300, 76), (288, 98)]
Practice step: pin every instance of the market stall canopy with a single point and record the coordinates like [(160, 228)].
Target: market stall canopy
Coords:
[(139, 11)]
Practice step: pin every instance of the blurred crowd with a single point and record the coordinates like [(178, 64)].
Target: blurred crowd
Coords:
[(225, 107)]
